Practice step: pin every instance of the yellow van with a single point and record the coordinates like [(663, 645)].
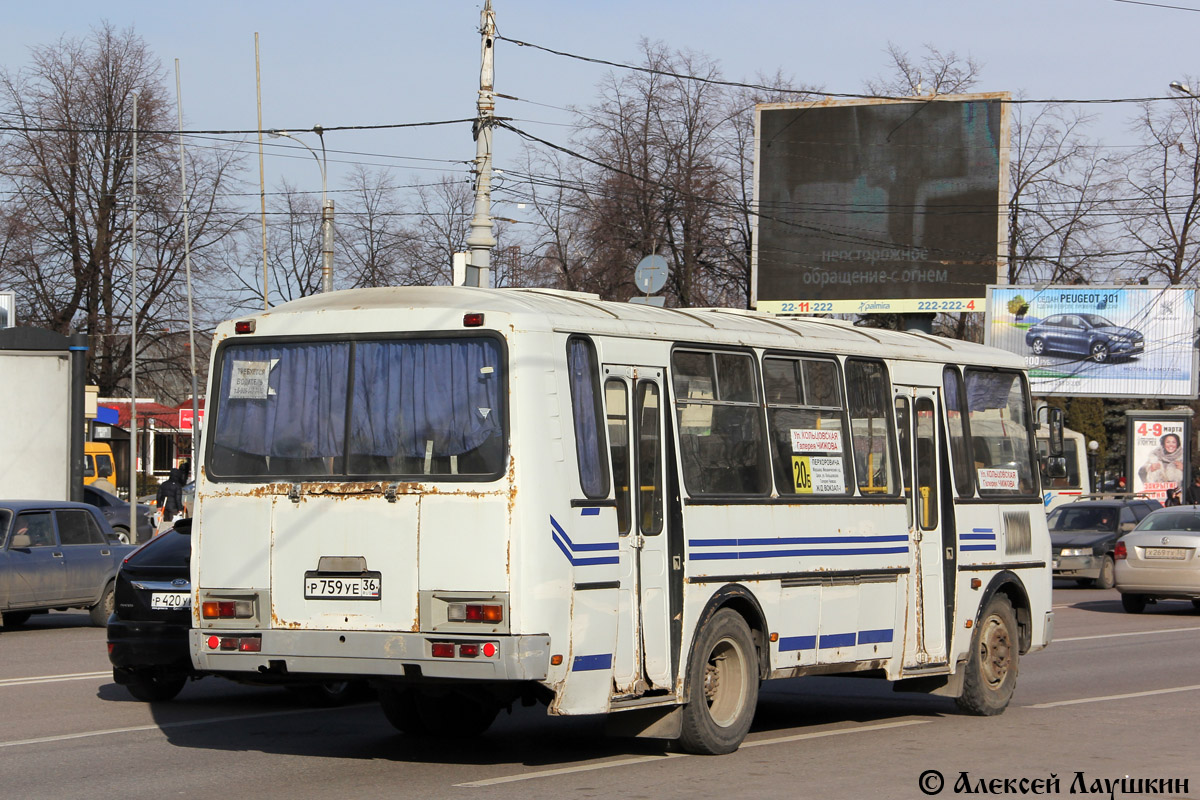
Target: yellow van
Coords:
[(97, 463)]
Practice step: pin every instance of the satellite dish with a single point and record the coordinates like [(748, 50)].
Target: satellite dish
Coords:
[(651, 274)]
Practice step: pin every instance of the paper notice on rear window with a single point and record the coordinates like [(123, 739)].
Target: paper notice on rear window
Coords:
[(248, 380), (810, 440), (1003, 479)]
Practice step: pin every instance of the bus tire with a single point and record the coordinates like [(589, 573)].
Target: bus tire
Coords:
[(15, 619), (723, 686), (991, 668), (443, 715)]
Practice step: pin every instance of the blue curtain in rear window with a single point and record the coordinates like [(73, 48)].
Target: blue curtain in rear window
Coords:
[(304, 413), (410, 393)]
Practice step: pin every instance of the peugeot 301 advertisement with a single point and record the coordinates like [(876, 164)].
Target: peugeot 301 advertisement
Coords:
[(1100, 341)]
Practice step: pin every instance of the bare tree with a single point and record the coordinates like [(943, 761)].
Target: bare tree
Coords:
[(1162, 180), (440, 223), (932, 73), (370, 237), (67, 214), (1056, 191)]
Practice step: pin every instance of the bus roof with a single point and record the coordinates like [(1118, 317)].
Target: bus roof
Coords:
[(371, 310)]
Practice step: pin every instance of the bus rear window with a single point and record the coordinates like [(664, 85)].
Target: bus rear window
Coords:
[(361, 409)]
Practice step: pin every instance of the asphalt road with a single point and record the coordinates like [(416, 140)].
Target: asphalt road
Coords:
[(1116, 695)]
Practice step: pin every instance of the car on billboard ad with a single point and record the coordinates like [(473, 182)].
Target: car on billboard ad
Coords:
[(1100, 341)]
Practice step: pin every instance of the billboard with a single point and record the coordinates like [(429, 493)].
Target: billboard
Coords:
[(880, 206), (1158, 453), (1098, 341)]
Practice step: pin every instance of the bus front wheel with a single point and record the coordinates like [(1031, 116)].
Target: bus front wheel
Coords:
[(723, 686), (991, 669)]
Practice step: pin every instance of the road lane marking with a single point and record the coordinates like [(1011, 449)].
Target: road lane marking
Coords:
[(628, 762), (74, 676), (1115, 697), (63, 737), (1127, 633)]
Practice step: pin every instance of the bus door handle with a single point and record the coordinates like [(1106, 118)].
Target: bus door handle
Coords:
[(57, 555), (917, 536)]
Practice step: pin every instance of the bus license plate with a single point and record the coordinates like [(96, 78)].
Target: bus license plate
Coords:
[(170, 601), (1169, 553), (341, 588)]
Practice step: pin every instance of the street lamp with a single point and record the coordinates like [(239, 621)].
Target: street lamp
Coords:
[(326, 206), (1093, 446)]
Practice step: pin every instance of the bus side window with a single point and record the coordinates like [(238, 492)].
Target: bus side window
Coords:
[(955, 414), (868, 393), (721, 439), (807, 426), (585, 407), (616, 401)]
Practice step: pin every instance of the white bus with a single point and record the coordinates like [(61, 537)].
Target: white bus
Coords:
[(1075, 484), (475, 497)]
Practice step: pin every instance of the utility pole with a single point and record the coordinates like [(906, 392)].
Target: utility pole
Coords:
[(326, 220), (481, 241)]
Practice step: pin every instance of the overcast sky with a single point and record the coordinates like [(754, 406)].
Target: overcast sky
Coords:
[(371, 63)]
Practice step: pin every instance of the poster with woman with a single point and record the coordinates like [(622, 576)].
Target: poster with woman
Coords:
[(1159, 456)]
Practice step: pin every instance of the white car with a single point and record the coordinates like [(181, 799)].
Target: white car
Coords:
[(1160, 559)]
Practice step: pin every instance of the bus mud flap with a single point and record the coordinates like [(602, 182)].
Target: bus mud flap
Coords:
[(663, 722)]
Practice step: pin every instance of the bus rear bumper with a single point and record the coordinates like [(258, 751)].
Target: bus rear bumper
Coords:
[(371, 653)]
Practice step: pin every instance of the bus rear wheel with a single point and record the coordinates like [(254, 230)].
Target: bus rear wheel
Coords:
[(723, 686), (442, 715), (991, 669)]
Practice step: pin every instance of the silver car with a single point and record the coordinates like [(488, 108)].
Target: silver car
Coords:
[(1160, 559), (56, 555)]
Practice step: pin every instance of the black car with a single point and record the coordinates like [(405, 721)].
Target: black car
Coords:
[(1083, 536), (152, 615), (1088, 335), (116, 511)]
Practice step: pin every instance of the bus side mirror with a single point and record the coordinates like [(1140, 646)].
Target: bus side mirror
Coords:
[(1056, 466), (1054, 420)]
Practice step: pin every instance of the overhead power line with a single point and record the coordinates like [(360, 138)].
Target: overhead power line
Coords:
[(793, 90)]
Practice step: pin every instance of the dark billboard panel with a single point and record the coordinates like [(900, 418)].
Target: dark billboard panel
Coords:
[(880, 206)]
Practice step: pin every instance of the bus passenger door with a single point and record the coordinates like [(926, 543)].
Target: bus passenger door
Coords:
[(917, 422), (634, 408)]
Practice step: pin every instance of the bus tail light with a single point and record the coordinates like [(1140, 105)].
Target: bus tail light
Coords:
[(1120, 552), (474, 612), (243, 644), (244, 326), (227, 609), (463, 649)]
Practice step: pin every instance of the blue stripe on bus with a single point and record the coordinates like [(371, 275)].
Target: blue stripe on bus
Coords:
[(982, 530), (787, 643), (874, 637), (865, 551), (585, 663), (581, 548), (583, 562), (838, 640), (983, 536), (977, 547), (589, 512), (793, 643), (795, 540)]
